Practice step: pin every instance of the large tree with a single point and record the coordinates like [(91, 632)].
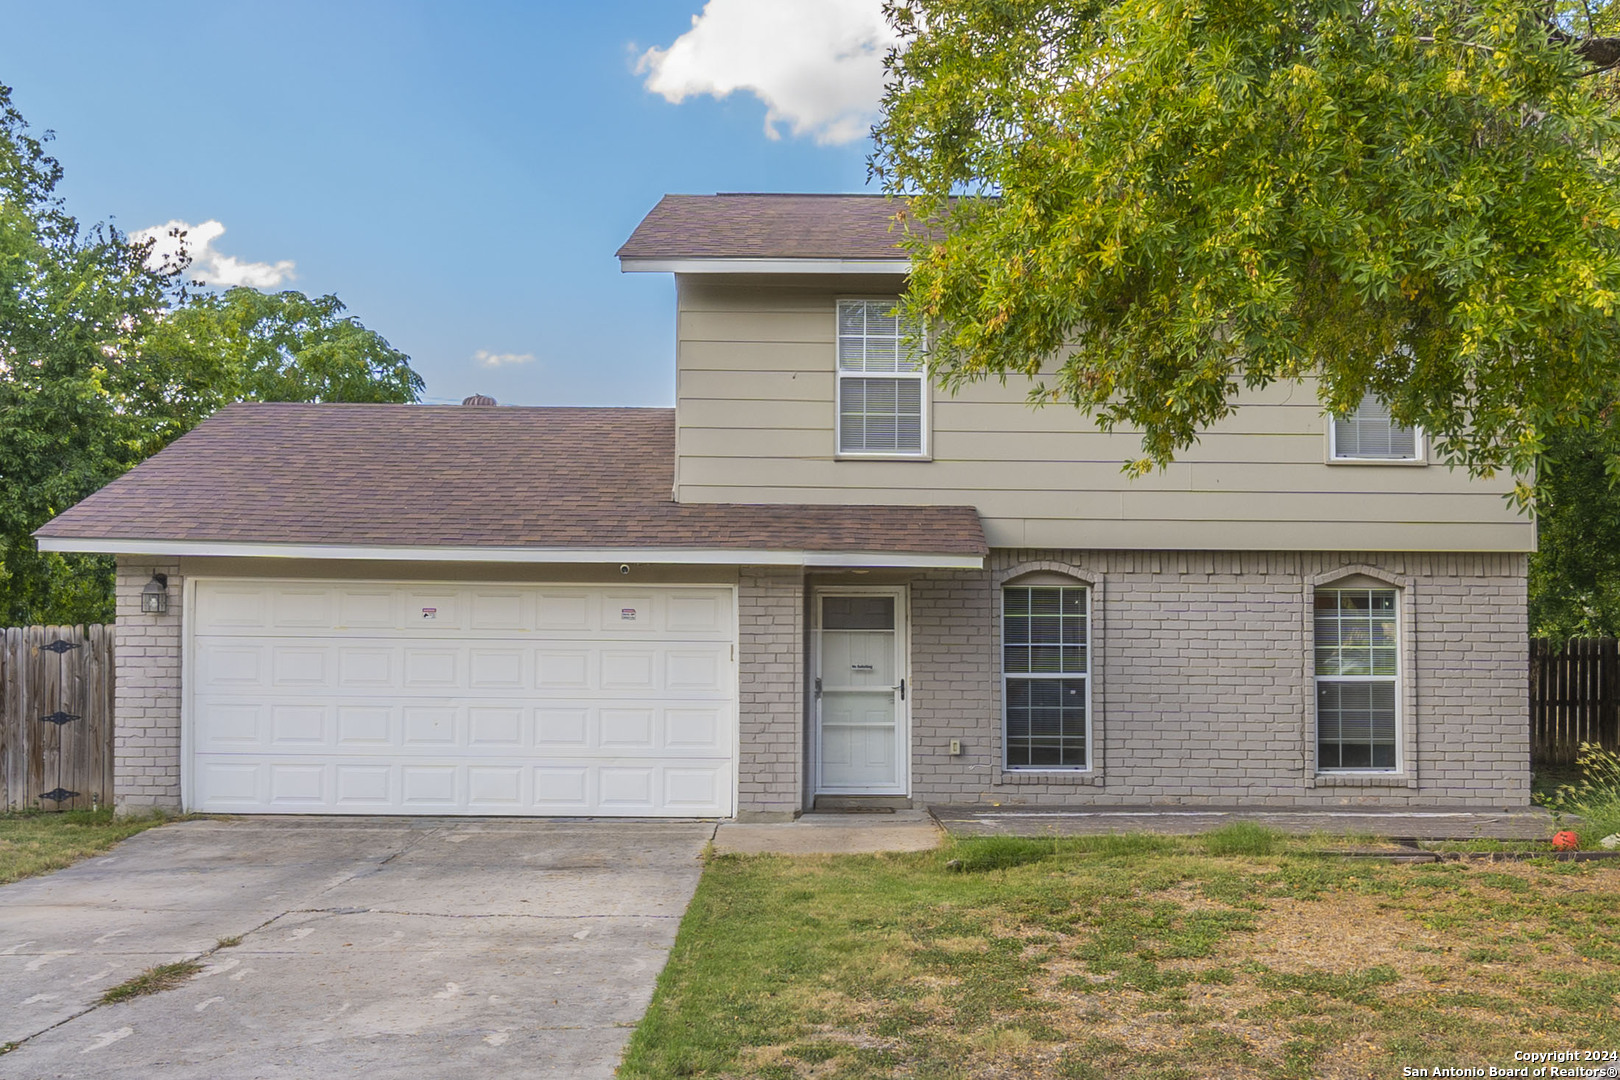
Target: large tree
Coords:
[(1575, 572), (245, 345), (73, 304), (105, 358), (1149, 205)]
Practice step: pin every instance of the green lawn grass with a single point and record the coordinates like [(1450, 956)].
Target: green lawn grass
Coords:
[(1130, 956), (153, 980), (37, 842)]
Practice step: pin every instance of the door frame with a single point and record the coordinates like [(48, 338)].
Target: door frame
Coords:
[(902, 715)]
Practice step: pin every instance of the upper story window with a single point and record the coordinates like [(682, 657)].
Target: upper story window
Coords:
[(1371, 434), (882, 387)]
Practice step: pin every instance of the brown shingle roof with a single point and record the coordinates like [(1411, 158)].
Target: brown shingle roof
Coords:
[(744, 226), (451, 476)]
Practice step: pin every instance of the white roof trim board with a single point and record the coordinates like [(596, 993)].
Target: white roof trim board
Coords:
[(765, 266), (669, 556)]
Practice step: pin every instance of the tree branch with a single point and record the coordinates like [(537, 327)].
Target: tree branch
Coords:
[(1600, 52)]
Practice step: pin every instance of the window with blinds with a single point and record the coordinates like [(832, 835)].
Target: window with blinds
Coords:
[(1357, 679), (881, 381), (1370, 434), (1045, 672)]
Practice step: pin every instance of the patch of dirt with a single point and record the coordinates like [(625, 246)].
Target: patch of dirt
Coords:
[(1341, 932), (1243, 1029)]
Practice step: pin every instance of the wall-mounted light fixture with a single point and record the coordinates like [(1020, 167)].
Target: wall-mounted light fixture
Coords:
[(155, 597)]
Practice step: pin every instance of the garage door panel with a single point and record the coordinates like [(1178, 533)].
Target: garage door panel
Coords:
[(696, 729), (364, 728), (364, 788), (480, 611), (496, 726), (674, 668), (233, 666), (297, 667), (695, 790), (699, 613), (299, 787), (319, 697), (470, 728), (228, 785), (299, 725), (497, 669), (627, 669), (367, 609), (433, 669), (431, 726), (505, 609), (225, 608), (377, 787), (567, 612), (429, 786), (302, 609), (427, 612), (695, 671), (495, 787), (562, 789), (366, 668)]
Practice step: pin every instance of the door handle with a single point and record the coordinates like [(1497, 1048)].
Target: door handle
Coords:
[(818, 687), (901, 688)]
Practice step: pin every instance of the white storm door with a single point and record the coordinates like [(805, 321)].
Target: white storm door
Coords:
[(862, 734)]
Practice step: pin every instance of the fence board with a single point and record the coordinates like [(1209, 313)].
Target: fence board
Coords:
[(38, 757), (1574, 698)]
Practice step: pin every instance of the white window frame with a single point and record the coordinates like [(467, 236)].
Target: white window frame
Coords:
[(924, 451), (1397, 681), (1001, 664), (1419, 447)]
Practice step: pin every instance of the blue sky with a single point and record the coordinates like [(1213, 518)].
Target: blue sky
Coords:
[(459, 174)]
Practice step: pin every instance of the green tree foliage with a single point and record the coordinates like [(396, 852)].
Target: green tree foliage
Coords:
[(73, 305), (1575, 572), (245, 345), (1192, 197), (105, 359)]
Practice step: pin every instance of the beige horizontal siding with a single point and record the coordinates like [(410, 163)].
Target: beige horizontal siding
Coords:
[(756, 422), (1218, 479)]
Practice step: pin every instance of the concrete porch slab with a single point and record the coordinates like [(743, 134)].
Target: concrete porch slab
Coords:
[(831, 834), (1438, 823)]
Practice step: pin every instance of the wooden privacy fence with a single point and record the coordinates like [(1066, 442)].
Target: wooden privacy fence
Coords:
[(1574, 698), (56, 713)]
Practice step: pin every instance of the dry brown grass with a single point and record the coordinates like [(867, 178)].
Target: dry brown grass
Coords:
[(1163, 965)]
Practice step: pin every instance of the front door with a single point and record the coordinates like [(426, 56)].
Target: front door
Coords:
[(862, 737)]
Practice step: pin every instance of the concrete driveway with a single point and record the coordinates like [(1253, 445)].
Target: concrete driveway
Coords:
[(379, 948)]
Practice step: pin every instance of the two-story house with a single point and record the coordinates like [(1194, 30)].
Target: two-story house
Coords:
[(817, 579)]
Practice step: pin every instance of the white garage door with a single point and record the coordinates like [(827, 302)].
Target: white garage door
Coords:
[(461, 699)]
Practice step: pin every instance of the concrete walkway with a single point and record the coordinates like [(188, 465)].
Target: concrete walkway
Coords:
[(831, 834), (383, 948), (1440, 823)]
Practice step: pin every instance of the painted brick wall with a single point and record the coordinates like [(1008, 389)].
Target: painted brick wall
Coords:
[(146, 730), (771, 653), (1202, 681)]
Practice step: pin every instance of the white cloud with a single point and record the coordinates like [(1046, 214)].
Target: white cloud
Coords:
[(485, 358), (816, 64), (207, 265)]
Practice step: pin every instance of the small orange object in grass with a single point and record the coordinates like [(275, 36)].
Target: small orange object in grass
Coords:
[(1565, 841)]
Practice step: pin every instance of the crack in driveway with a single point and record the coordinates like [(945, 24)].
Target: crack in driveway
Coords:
[(185, 887), (234, 939)]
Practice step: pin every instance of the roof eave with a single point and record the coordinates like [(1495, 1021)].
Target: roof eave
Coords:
[(462, 553), (634, 264)]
